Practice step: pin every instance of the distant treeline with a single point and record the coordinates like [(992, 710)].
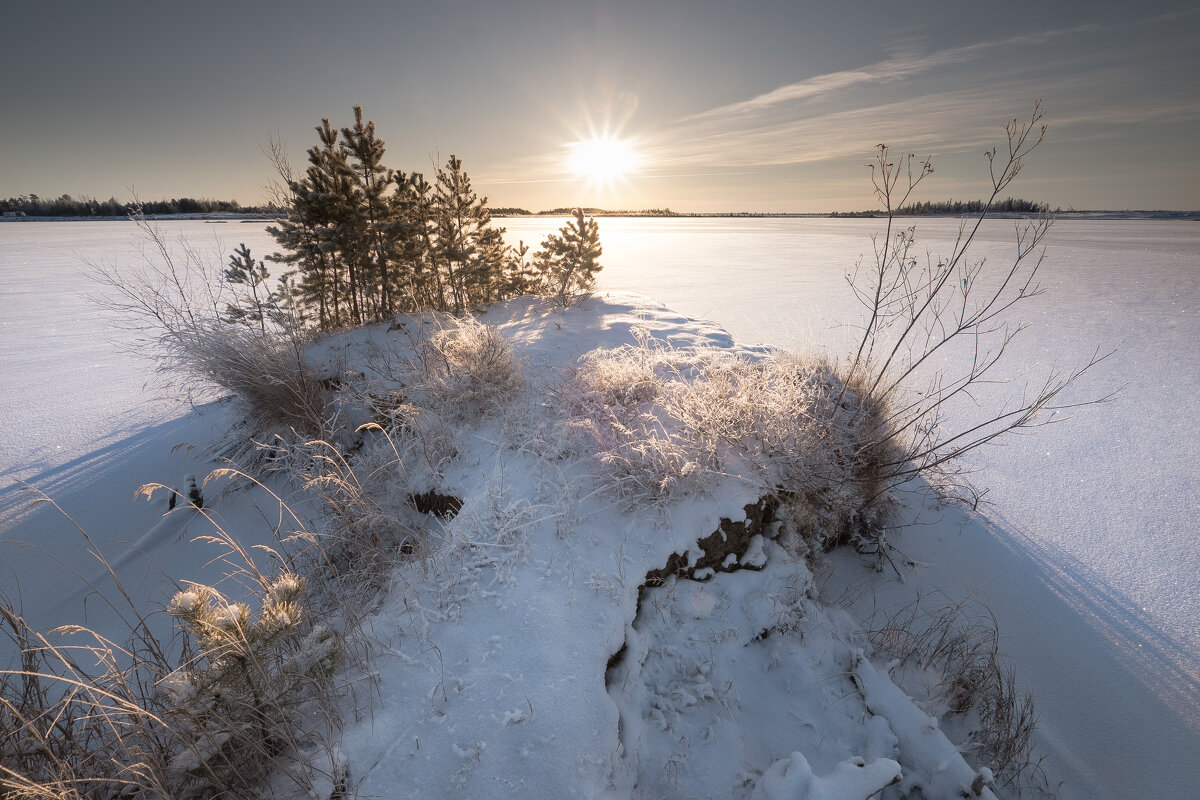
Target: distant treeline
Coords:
[(67, 206), (591, 212), (1011, 205)]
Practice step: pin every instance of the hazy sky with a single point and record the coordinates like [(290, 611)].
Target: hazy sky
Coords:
[(731, 105)]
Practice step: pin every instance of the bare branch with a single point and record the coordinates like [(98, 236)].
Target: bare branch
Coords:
[(916, 312)]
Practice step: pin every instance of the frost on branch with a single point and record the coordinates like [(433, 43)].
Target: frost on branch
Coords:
[(234, 700)]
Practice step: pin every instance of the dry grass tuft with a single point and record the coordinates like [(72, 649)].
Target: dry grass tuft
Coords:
[(959, 642), (267, 372), (366, 525), (465, 369)]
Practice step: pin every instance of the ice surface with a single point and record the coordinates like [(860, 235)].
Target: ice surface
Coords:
[(1090, 563), (82, 422)]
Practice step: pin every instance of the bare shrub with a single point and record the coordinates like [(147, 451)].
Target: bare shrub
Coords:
[(918, 312), (174, 300)]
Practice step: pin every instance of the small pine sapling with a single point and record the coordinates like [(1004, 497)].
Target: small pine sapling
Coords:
[(257, 304), (243, 270), (568, 262), (233, 704)]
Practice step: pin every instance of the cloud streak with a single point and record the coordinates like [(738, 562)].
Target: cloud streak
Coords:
[(788, 125), (892, 69)]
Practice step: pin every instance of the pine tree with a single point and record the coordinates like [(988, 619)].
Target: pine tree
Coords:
[(340, 228), (311, 233), (568, 262), (428, 288), (380, 223), (366, 241), (522, 274), (471, 252), (258, 303)]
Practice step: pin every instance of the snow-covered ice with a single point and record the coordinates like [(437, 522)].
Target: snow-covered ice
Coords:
[(1087, 556)]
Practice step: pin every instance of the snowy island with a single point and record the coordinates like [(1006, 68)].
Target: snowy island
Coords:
[(595, 551)]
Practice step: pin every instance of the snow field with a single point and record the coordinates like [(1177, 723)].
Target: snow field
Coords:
[(1086, 568)]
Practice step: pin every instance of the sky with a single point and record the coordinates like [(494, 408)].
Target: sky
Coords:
[(725, 106)]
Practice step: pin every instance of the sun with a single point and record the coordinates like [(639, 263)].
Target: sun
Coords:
[(602, 160)]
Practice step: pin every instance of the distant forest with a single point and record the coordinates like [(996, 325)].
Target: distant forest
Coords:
[(509, 211), (1010, 205), (939, 208), (67, 206)]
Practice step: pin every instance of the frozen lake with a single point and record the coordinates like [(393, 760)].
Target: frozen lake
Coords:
[(1098, 513)]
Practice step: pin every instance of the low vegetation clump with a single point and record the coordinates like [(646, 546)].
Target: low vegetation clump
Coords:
[(86, 717), (958, 645), (465, 369), (669, 422)]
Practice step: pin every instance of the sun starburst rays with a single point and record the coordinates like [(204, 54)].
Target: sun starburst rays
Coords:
[(603, 161)]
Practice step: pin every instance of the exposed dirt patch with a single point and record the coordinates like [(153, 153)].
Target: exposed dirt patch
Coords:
[(444, 506), (729, 538)]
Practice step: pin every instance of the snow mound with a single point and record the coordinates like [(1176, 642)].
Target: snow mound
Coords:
[(547, 641), (793, 779)]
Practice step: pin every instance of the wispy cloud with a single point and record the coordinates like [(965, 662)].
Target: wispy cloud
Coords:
[(895, 68), (844, 114), (917, 121)]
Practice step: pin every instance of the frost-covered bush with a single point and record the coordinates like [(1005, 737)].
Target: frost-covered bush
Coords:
[(617, 399), (465, 369), (231, 708), (814, 440), (619, 380), (668, 422)]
